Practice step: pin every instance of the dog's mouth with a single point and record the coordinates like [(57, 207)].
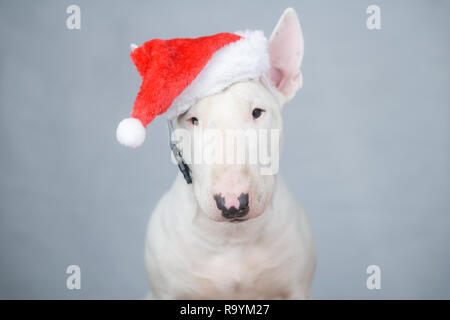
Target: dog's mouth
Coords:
[(238, 220)]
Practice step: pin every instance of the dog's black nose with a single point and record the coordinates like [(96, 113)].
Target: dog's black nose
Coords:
[(233, 212)]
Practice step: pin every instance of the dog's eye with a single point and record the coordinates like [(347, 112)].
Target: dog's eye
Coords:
[(257, 112), (194, 121)]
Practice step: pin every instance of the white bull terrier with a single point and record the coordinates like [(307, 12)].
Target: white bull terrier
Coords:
[(198, 244)]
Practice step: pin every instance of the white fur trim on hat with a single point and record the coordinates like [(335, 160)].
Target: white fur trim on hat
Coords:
[(247, 58), (130, 132)]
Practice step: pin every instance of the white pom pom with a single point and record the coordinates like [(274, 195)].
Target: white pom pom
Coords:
[(130, 132)]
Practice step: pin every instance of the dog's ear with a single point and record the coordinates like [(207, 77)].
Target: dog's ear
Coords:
[(286, 54)]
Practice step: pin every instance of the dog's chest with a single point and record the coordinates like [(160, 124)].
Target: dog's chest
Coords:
[(246, 272)]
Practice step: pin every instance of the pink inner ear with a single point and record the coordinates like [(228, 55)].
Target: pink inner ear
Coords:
[(286, 53), (275, 76)]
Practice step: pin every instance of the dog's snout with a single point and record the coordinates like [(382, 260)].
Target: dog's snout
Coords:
[(243, 201), (231, 211)]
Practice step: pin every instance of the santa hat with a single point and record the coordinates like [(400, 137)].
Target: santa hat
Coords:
[(177, 73)]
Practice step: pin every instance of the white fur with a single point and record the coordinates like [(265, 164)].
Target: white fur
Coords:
[(193, 253), (244, 59), (190, 256), (130, 132)]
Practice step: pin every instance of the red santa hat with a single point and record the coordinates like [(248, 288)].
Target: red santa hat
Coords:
[(177, 73)]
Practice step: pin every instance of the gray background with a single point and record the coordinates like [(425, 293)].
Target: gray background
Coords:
[(366, 152)]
